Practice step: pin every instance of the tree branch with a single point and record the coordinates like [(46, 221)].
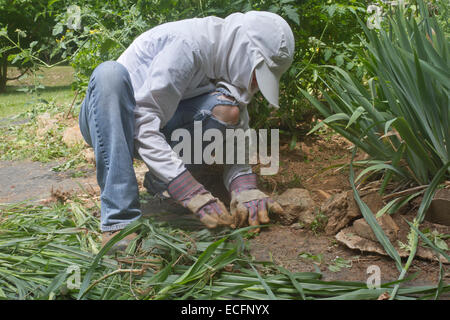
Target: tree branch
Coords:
[(16, 78)]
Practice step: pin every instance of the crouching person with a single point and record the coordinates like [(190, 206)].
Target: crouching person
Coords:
[(171, 77)]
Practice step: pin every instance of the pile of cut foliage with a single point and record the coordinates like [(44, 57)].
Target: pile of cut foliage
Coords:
[(52, 252)]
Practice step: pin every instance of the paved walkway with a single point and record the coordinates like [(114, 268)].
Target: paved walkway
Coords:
[(28, 180)]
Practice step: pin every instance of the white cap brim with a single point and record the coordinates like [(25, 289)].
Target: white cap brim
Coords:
[(268, 83)]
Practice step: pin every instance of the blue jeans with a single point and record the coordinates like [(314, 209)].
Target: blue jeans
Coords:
[(107, 124)]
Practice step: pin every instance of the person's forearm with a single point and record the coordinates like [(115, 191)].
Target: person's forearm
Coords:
[(154, 150), (233, 171)]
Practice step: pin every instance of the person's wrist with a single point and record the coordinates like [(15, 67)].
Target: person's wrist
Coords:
[(244, 182), (184, 187)]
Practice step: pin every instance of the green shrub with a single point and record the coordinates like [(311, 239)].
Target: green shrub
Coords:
[(324, 33), (89, 32), (400, 115)]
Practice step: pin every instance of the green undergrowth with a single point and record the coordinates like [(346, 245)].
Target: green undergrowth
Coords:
[(53, 252), (45, 84), (41, 137)]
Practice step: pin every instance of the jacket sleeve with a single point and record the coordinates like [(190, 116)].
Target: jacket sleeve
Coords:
[(235, 170), (156, 101)]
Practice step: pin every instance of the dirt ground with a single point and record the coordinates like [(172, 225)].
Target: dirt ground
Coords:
[(293, 247), (290, 246)]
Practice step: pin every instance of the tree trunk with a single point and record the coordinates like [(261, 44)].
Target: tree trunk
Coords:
[(3, 72)]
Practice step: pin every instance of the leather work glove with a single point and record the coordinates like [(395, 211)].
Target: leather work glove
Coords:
[(249, 203), (193, 195)]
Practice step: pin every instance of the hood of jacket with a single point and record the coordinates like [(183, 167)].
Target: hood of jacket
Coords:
[(231, 48)]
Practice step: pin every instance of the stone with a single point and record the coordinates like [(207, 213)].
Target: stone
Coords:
[(72, 136), (350, 239), (341, 209), (374, 201), (439, 210), (386, 223), (298, 206)]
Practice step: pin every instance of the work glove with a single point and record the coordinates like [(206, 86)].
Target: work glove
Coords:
[(192, 195), (250, 204)]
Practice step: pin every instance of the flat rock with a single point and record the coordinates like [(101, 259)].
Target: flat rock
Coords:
[(386, 223), (351, 239), (298, 206), (341, 209)]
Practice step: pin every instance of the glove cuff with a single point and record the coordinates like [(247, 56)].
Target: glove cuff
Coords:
[(244, 182), (199, 201), (184, 187)]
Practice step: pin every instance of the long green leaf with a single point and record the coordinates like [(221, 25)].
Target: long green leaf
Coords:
[(428, 242), (264, 284), (370, 219)]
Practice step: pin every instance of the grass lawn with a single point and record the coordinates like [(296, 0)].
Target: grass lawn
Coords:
[(57, 82), (19, 142)]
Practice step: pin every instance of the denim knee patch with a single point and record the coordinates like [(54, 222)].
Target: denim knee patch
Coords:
[(200, 109), (219, 97)]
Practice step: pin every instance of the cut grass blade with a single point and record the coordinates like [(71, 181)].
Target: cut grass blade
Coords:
[(295, 283), (264, 284), (428, 242), (37, 269), (440, 287)]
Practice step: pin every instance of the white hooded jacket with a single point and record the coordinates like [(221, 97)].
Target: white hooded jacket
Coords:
[(183, 59)]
